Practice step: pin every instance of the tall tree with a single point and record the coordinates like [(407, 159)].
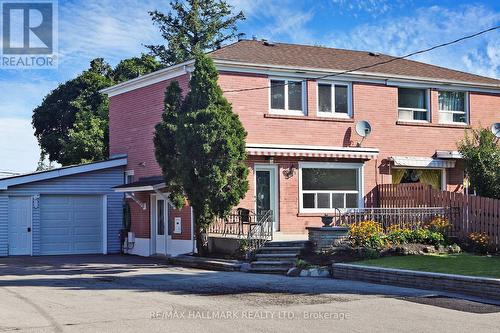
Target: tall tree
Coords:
[(133, 67), (200, 146), (193, 26), (56, 115), (71, 124), (481, 153)]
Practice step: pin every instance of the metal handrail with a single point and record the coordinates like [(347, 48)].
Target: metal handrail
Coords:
[(255, 229), (260, 233), (409, 217)]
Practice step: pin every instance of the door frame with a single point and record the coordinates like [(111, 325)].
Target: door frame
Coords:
[(30, 214), (153, 224), (104, 224), (274, 169)]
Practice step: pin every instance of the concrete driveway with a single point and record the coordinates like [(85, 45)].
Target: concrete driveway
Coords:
[(132, 294)]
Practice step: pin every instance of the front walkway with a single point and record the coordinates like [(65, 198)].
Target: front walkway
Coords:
[(130, 294)]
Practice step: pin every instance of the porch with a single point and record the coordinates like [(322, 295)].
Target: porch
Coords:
[(255, 230)]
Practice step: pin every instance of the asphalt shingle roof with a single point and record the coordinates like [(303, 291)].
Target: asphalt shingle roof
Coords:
[(305, 56)]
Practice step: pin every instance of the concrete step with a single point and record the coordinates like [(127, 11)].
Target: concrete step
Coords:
[(269, 270), (302, 244), (205, 263), (270, 263), (277, 256), (280, 249)]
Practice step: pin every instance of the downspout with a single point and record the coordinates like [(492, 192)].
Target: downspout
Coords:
[(193, 238)]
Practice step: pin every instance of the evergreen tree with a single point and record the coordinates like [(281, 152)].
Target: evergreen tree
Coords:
[(200, 146), (193, 26)]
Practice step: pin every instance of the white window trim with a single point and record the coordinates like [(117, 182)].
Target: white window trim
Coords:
[(286, 111), (331, 165), (125, 181), (427, 102), (274, 168), (128, 173), (466, 109), (333, 114)]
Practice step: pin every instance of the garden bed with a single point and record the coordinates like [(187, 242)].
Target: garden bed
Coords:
[(459, 264)]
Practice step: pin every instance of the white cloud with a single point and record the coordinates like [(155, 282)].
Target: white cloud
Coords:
[(108, 28), (371, 7), (21, 95), (18, 147), (431, 26), (249, 7), (284, 20)]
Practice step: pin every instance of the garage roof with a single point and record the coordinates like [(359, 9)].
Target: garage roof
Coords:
[(5, 183), (143, 184)]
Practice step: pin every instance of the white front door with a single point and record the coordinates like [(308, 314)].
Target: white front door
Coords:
[(266, 191), (160, 226), (19, 225)]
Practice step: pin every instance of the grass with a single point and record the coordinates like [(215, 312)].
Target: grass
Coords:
[(461, 264)]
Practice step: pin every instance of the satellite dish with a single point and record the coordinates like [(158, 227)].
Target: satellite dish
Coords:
[(363, 128), (495, 129)]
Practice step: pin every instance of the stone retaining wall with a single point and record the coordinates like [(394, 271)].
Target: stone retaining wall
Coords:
[(323, 238), (474, 286)]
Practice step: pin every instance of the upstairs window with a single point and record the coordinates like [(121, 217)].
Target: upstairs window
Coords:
[(287, 96), (333, 99), (413, 104), (452, 107)]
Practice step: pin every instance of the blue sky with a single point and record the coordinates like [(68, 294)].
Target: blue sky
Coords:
[(118, 29)]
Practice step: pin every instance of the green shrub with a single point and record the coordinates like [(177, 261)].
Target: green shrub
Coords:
[(370, 234), (439, 224), (478, 242), (371, 253), (398, 236), (301, 264), (366, 233)]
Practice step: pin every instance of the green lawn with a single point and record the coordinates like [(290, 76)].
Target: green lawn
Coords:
[(461, 264)]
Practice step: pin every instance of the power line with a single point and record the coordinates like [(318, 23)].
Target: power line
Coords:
[(376, 64)]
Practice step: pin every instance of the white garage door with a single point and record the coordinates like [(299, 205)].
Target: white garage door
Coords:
[(71, 224)]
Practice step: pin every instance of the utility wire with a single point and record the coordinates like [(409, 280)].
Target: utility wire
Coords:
[(376, 64)]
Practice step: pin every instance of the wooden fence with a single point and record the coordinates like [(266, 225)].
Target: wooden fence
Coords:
[(468, 213)]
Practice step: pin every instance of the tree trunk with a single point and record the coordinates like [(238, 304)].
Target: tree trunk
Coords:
[(201, 242)]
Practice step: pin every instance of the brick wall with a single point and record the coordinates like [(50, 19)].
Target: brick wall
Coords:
[(134, 114), (132, 119), (140, 224), (185, 215)]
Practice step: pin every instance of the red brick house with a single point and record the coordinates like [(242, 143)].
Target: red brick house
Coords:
[(304, 155)]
